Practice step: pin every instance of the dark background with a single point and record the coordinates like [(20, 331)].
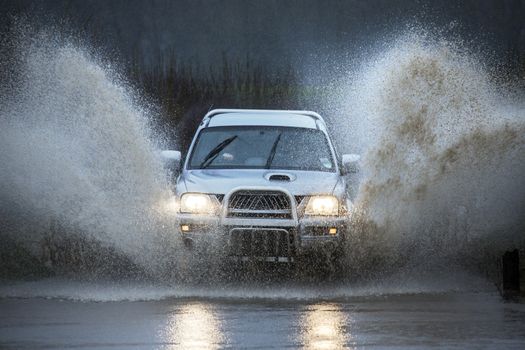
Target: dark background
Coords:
[(189, 55)]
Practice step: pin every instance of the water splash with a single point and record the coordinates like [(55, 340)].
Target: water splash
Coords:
[(442, 172), (76, 153), (444, 155)]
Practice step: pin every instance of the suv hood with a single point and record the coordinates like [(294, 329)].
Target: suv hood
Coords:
[(222, 181)]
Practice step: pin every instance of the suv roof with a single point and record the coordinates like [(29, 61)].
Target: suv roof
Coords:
[(231, 117)]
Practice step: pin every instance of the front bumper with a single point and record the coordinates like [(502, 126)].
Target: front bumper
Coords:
[(302, 236), (271, 239)]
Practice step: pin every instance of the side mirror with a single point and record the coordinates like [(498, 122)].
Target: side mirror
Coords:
[(171, 160), (351, 163)]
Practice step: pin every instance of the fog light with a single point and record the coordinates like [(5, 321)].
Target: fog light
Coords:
[(332, 231), (185, 228)]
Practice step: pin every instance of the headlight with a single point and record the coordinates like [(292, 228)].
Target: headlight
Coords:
[(322, 205), (197, 203)]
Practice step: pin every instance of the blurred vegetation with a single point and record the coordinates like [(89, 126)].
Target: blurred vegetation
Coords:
[(186, 92)]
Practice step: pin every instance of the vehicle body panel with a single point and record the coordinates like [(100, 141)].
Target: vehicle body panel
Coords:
[(222, 181), (303, 232)]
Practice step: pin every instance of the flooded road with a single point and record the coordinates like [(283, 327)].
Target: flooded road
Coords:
[(453, 320), (84, 196)]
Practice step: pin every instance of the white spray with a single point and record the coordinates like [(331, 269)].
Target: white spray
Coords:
[(76, 152), (443, 163), (444, 153)]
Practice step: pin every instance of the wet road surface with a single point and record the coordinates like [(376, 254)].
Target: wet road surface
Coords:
[(454, 320)]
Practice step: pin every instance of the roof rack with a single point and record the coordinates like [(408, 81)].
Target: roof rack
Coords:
[(215, 112)]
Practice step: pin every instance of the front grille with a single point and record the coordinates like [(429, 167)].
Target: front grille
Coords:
[(299, 199), (260, 204), (261, 242), (219, 197)]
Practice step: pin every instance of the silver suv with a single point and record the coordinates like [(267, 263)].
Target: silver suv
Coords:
[(267, 184)]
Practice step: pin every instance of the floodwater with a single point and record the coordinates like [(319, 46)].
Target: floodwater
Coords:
[(449, 320), (83, 195)]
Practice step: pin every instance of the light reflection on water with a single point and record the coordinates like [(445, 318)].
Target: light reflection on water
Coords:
[(324, 327), (199, 326), (453, 320), (194, 326)]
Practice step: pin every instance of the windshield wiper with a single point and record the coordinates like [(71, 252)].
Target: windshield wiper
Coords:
[(272, 152), (210, 157)]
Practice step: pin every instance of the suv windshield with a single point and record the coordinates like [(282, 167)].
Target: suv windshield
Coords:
[(262, 147)]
